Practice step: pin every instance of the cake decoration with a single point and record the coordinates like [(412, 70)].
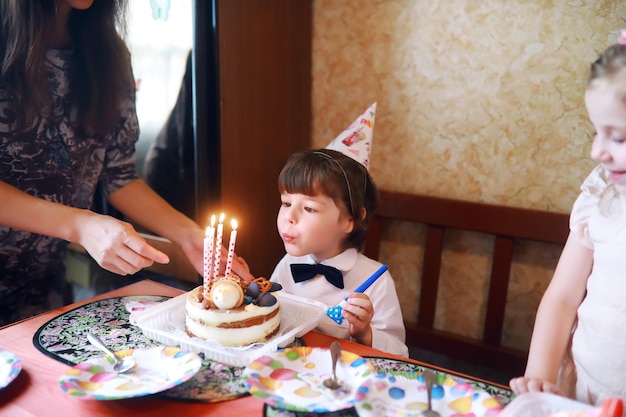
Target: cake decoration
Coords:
[(232, 291)]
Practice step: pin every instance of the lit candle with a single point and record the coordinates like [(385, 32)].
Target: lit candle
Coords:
[(231, 247), (218, 246), (209, 235)]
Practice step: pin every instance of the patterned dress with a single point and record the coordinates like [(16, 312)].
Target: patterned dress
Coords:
[(51, 161)]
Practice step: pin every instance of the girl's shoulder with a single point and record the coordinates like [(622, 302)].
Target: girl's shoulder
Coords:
[(591, 191), (595, 183), (592, 202)]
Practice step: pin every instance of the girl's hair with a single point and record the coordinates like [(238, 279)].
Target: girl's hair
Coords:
[(101, 59), (331, 173), (609, 64)]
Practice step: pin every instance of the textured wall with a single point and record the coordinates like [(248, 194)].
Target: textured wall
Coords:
[(478, 100)]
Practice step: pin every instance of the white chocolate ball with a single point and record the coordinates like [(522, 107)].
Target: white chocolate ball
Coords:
[(226, 295)]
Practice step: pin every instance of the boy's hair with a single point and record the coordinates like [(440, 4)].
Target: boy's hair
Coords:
[(331, 173)]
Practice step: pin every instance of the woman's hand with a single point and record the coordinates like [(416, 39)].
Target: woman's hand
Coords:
[(241, 268), (358, 311), (524, 384), (115, 245), (193, 247)]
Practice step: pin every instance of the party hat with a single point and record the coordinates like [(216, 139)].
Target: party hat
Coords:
[(356, 140)]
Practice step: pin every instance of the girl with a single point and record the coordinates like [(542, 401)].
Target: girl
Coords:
[(68, 124), (327, 201), (584, 303)]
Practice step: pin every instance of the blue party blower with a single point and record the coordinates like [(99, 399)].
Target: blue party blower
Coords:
[(335, 312)]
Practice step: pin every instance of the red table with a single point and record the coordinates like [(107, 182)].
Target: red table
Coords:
[(35, 392)]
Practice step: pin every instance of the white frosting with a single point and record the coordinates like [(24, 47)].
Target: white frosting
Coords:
[(204, 323), (234, 337)]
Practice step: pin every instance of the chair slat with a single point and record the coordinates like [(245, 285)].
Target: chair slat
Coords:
[(508, 225)]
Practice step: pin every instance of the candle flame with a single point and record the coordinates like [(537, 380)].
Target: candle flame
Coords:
[(222, 218), (233, 224), (213, 220)]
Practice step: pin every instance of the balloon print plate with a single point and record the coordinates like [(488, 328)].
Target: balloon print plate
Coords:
[(156, 370), (405, 396), (292, 379), (10, 367)]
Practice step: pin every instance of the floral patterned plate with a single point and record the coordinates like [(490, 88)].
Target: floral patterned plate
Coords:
[(293, 378), (64, 338), (156, 370), (10, 367)]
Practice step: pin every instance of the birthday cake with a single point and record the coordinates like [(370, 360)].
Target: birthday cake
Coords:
[(233, 311)]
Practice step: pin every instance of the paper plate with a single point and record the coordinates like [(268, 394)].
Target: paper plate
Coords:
[(10, 367), (156, 370), (405, 395), (292, 379)]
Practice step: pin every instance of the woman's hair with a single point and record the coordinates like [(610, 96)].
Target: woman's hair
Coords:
[(331, 173), (101, 59)]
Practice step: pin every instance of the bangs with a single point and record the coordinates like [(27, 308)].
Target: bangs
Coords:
[(312, 174)]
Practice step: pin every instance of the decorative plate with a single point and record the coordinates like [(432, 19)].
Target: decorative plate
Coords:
[(405, 395), (156, 370), (293, 378), (10, 367)]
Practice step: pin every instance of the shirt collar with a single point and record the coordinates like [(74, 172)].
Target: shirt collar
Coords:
[(343, 262)]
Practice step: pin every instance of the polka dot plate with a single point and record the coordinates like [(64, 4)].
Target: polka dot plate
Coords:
[(292, 379)]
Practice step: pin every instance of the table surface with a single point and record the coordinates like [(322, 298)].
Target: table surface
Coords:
[(35, 392)]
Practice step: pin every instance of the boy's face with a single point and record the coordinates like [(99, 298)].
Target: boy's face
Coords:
[(312, 225)]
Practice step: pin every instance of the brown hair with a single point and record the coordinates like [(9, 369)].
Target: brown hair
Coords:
[(609, 64), (331, 173), (101, 59)]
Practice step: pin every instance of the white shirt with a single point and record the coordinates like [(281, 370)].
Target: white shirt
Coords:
[(388, 333), (599, 341)]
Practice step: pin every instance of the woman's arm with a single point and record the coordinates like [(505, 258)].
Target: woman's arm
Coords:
[(145, 207), (113, 244), (555, 319)]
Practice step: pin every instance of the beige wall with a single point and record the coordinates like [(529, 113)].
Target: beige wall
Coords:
[(478, 100)]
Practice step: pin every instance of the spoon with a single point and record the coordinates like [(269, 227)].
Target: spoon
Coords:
[(429, 378), (333, 383), (120, 366)]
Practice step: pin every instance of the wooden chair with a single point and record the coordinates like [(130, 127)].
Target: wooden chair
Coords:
[(439, 214)]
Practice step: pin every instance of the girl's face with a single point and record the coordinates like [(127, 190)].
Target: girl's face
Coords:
[(312, 225), (607, 113)]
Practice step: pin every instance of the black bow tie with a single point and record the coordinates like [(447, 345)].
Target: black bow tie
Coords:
[(304, 272)]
